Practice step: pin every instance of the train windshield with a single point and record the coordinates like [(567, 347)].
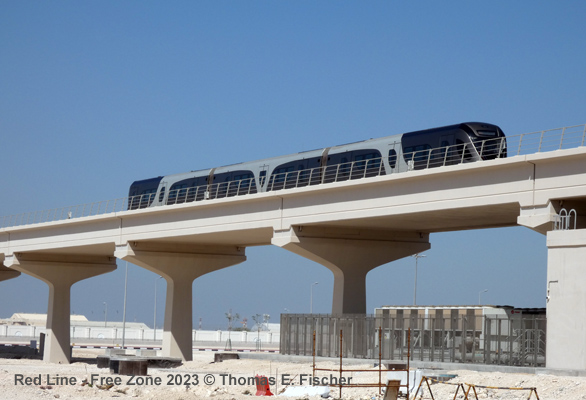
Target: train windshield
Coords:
[(487, 133), (490, 144)]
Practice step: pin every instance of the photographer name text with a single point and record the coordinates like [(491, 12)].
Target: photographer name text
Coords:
[(180, 380)]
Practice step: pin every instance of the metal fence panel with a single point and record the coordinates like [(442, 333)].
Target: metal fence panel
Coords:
[(518, 341)]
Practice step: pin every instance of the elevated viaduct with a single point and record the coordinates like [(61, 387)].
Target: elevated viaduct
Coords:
[(350, 227)]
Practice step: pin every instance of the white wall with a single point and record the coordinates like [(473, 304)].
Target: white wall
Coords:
[(566, 305), (114, 333)]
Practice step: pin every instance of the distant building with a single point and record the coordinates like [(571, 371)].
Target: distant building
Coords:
[(445, 311), (486, 331)]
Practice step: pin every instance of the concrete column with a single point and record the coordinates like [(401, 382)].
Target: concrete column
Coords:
[(180, 265), (6, 273), (59, 272), (566, 300), (350, 255)]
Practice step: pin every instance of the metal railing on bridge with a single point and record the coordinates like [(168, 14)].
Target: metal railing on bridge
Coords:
[(528, 143)]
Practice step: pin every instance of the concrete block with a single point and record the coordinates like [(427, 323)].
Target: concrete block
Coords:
[(115, 352), (129, 366), (219, 357), (103, 361), (17, 351), (414, 379), (146, 353), (133, 367), (303, 391)]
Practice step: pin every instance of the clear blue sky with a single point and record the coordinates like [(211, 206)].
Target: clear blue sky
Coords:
[(97, 94)]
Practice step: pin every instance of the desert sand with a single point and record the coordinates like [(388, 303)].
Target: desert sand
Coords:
[(234, 379)]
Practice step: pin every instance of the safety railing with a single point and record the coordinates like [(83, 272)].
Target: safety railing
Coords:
[(528, 143), (64, 213), (563, 221)]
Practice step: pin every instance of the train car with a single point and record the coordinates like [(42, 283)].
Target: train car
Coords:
[(448, 145)]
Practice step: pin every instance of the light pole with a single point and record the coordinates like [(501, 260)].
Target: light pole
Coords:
[(124, 312), (479, 293), (417, 257), (155, 313), (311, 298), (105, 314)]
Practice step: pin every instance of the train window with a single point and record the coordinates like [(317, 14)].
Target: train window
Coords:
[(392, 158), (418, 153), (339, 171), (281, 173), (363, 159), (177, 192), (366, 165), (375, 157), (461, 146), (243, 182), (242, 177)]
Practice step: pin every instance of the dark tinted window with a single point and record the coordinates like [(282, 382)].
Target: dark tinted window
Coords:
[(294, 174), (461, 146), (392, 158)]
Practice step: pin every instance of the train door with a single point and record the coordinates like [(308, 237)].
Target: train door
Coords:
[(161, 199), (262, 177), (211, 189), (393, 155)]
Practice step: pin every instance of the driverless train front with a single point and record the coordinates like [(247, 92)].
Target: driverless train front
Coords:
[(489, 140)]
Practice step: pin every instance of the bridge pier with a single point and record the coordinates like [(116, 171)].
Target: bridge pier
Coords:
[(180, 265), (350, 255), (566, 299), (59, 272)]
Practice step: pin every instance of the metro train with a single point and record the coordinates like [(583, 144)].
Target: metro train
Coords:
[(448, 145)]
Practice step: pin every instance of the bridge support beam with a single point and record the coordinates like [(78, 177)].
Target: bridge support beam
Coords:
[(566, 300), (6, 273), (180, 265), (59, 272), (540, 219), (350, 255)]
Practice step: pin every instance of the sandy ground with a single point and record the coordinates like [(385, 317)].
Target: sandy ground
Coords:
[(34, 379)]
